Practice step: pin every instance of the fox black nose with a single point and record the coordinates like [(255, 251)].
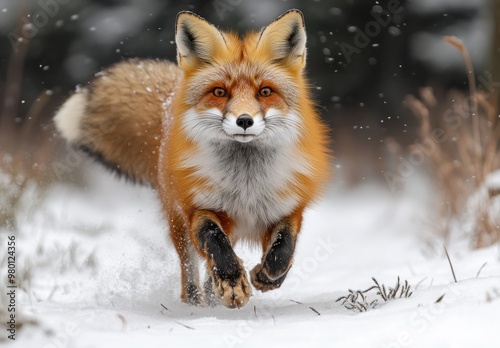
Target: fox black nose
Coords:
[(244, 121)]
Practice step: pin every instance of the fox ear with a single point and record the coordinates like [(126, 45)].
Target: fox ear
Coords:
[(285, 38), (197, 40)]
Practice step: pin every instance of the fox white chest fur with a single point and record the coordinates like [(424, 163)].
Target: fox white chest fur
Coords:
[(248, 182)]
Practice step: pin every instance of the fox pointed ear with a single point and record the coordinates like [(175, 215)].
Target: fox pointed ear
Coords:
[(197, 40), (285, 38)]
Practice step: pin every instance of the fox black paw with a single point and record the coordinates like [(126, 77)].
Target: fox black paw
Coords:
[(263, 282)]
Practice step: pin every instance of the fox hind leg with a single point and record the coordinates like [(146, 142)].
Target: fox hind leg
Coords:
[(190, 289), (191, 292), (208, 287)]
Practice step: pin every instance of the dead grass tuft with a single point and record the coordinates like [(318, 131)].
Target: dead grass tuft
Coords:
[(26, 151), (362, 300), (26, 146), (460, 135)]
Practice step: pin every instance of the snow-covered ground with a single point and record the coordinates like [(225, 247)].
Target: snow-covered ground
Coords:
[(105, 275)]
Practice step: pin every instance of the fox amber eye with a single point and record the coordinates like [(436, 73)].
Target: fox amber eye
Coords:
[(265, 92), (219, 92)]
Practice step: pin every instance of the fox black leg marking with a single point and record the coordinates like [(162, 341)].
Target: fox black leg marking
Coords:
[(226, 271), (276, 262), (216, 245)]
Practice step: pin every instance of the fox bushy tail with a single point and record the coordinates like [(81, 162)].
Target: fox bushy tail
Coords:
[(117, 118)]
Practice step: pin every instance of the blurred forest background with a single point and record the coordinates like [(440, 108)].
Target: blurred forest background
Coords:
[(364, 57)]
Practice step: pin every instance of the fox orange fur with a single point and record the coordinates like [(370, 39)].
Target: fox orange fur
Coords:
[(230, 139)]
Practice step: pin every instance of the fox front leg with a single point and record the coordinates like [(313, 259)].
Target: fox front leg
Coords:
[(226, 270), (279, 247)]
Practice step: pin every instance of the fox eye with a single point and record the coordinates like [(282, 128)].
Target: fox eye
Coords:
[(265, 92), (219, 92)]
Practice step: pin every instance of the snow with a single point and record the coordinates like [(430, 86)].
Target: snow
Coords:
[(105, 275)]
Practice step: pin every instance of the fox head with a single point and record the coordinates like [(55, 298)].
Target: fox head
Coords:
[(242, 89)]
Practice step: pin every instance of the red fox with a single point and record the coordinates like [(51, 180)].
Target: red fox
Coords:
[(229, 138)]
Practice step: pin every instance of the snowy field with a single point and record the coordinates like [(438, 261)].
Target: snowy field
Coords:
[(104, 275)]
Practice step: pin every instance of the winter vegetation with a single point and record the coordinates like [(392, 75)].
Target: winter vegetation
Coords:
[(460, 135)]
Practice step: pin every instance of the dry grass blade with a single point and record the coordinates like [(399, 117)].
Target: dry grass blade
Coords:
[(451, 265), (314, 310), (405, 292), (381, 290), (480, 269), (393, 291), (459, 45), (440, 298), (184, 325)]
